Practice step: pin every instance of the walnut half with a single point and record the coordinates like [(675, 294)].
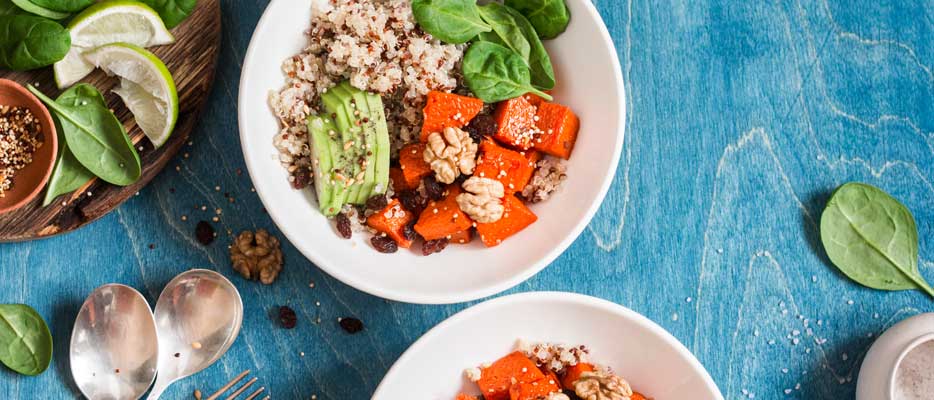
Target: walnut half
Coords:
[(602, 385), (450, 154), (256, 256), (483, 199)]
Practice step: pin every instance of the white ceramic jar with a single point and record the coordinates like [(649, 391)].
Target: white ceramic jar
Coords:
[(877, 376)]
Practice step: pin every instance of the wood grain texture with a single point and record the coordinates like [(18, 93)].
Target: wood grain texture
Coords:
[(744, 116), (192, 60)]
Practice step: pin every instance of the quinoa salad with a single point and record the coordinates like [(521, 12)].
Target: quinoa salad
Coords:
[(421, 129), (547, 371)]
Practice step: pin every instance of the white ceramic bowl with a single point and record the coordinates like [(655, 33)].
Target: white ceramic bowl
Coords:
[(589, 80), (652, 360), (877, 373)]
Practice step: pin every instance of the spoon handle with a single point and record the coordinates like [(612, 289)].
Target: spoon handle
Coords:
[(157, 390)]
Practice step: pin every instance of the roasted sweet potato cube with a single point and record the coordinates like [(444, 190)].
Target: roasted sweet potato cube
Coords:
[(512, 168), (445, 110), (462, 237), (573, 373), (443, 218), (637, 396), (413, 165), (558, 127), (535, 390), (399, 184), (516, 217), (496, 379), (392, 221), (464, 396), (515, 121)]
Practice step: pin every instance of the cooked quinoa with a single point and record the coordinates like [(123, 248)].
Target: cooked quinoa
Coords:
[(550, 173), (19, 139), (379, 48)]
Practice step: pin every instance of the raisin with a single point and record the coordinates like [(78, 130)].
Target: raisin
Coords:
[(412, 201), (408, 231), (434, 246), (301, 178), (204, 232), (482, 125), (287, 317), (343, 226), (350, 325), (384, 244), (433, 189), (377, 202)]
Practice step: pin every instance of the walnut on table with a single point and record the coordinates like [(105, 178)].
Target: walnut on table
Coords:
[(256, 256), (450, 154)]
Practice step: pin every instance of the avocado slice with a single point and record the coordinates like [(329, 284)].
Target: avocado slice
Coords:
[(337, 103), (381, 148), (367, 151), (321, 159), (353, 138)]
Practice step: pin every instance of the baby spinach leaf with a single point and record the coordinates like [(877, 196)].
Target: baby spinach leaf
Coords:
[(549, 17), (451, 21), (872, 238), (94, 135), (69, 174), (173, 12), (25, 340), (506, 31), (30, 42), (8, 8), (495, 73), (33, 8), (65, 6), (543, 74)]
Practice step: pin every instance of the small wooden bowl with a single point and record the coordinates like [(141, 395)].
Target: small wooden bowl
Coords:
[(29, 181)]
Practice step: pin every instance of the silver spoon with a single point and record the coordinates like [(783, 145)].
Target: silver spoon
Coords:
[(198, 317), (114, 350)]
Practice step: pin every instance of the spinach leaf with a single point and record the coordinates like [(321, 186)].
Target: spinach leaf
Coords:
[(65, 6), (872, 238), (173, 12), (515, 32), (69, 174), (32, 8), (29, 42), (8, 8), (495, 73), (549, 17), (94, 135), (25, 340), (451, 21)]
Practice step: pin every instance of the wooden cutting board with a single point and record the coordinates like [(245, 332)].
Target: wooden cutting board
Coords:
[(192, 60)]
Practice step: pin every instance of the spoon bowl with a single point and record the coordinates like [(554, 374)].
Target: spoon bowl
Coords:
[(114, 349), (198, 317)]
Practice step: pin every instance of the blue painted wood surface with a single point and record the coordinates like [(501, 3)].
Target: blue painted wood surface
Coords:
[(744, 115)]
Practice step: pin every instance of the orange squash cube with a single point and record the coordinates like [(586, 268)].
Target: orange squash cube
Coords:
[(392, 221), (574, 372), (462, 237), (536, 390), (413, 165), (443, 218), (558, 127), (496, 379), (512, 168), (515, 120), (516, 217), (445, 110)]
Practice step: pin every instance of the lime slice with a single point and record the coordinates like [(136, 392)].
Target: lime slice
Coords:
[(146, 87), (105, 23), (32, 8)]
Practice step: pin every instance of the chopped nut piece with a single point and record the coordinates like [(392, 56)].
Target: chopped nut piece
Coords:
[(602, 385), (483, 199), (451, 154), (257, 256)]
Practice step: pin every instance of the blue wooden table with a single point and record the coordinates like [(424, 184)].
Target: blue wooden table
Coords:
[(744, 115)]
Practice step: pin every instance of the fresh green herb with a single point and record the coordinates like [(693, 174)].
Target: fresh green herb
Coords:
[(549, 17), (94, 135), (8, 8), (173, 12), (25, 340), (512, 30), (33, 8), (29, 42), (69, 174), (872, 238), (451, 21), (64, 6), (495, 73)]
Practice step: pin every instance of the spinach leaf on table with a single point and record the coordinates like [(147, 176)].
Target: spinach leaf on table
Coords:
[(872, 238), (94, 135), (65, 6), (69, 174), (512, 30), (549, 17), (30, 42), (495, 73), (173, 12), (25, 340), (451, 21)]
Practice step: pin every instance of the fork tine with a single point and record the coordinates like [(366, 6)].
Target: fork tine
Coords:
[(241, 389), (256, 393), (230, 384)]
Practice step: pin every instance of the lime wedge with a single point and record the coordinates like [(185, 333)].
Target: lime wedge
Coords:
[(146, 87), (105, 23)]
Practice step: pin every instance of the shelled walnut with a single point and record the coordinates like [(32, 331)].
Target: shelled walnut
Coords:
[(450, 154), (482, 199), (256, 256), (602, 385)]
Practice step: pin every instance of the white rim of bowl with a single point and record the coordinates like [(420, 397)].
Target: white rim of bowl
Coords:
[(901, 357), (566, 297), (459, 297)]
